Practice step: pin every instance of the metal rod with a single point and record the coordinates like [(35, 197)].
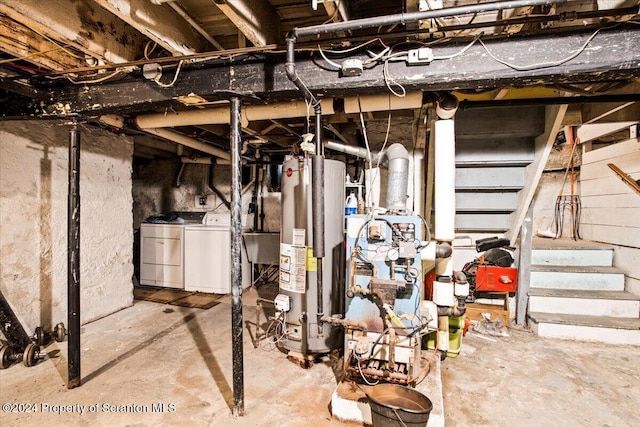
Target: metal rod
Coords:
[(236, 258), (317, 201), (587, 99), (73, 261), (402, 18)]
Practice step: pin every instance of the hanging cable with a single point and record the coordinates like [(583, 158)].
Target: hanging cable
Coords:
[(542, 64)]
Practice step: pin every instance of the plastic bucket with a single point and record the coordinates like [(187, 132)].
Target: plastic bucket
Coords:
[(394, 405)]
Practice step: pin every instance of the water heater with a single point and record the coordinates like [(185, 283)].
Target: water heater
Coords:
[(298, 264)]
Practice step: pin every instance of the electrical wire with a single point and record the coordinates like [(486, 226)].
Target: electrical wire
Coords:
[(542, 64), (70, 52), (175, 77), (354, 48), (364, 133), (461, 51), (101, 79), (330, 62), (31, 55)]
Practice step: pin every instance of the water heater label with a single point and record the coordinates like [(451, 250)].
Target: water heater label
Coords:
[(299, 237), (293, 263)]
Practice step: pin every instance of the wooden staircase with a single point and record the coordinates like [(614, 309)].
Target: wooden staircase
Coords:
[(576, 293)]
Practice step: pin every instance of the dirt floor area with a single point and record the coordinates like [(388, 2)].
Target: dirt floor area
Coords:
[(525, 380)]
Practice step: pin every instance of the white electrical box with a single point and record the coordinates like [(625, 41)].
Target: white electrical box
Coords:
[(282, 303)]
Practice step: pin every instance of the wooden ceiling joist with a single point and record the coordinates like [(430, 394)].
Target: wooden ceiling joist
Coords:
[(81, 24), (158, 22), (257, 20)]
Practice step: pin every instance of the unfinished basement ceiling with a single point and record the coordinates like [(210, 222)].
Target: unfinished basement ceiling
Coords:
[(87, 59)]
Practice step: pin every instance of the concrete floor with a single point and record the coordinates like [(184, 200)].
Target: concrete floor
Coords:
[(180, 357)]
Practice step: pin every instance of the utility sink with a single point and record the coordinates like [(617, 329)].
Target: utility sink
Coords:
[(262, 248)]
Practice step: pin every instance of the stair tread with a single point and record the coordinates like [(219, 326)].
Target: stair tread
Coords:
[(576, 269), (631, 324), (578, 293), (547, 243)]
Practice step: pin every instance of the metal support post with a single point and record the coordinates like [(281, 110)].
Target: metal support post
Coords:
[(236, 259), (73, 260)]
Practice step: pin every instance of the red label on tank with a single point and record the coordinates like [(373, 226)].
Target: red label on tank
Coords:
[(289, 172)]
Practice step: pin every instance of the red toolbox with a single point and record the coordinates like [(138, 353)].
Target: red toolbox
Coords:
[(490, 278)]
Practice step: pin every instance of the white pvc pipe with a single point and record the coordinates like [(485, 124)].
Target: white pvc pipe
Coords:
[(113, 120), (189, 142), (383, 102), (220, 115), (445, 187)]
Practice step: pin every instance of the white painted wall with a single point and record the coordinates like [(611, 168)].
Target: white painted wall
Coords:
[(33, 221), (610, 208)]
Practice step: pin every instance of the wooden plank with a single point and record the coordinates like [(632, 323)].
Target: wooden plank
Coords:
[(603, 186), (21, 42), (610, 234), (589, 132), (80, 23), (611, 152), (160, 23), (629, 163), (611, 201), (622, 217)]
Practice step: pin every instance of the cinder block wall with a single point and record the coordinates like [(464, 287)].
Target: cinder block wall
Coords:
[(155, 191), (33, 221)]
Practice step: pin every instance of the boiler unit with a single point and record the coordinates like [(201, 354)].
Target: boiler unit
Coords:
[(297, 303), (384, 316)]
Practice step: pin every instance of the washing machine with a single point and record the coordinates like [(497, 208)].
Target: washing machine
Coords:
[(207, 255)]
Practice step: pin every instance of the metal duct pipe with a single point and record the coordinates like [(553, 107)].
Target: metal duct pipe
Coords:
[(403, 18), (359, 152), (189, 142), (398, 177)]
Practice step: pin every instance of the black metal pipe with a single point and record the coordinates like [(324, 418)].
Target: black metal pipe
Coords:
[(402, 18), (590, 99), (292, 74), (317, 179), (236, 258), (255, 209), (73, 259), (11, 327)]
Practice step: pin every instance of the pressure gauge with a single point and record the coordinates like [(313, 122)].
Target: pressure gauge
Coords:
[(393, 254)]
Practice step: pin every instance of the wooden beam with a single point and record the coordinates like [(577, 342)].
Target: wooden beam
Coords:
[(612, 57), (81, 24), (256, 19), (543, 145), (337, 10), (160, 23)]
